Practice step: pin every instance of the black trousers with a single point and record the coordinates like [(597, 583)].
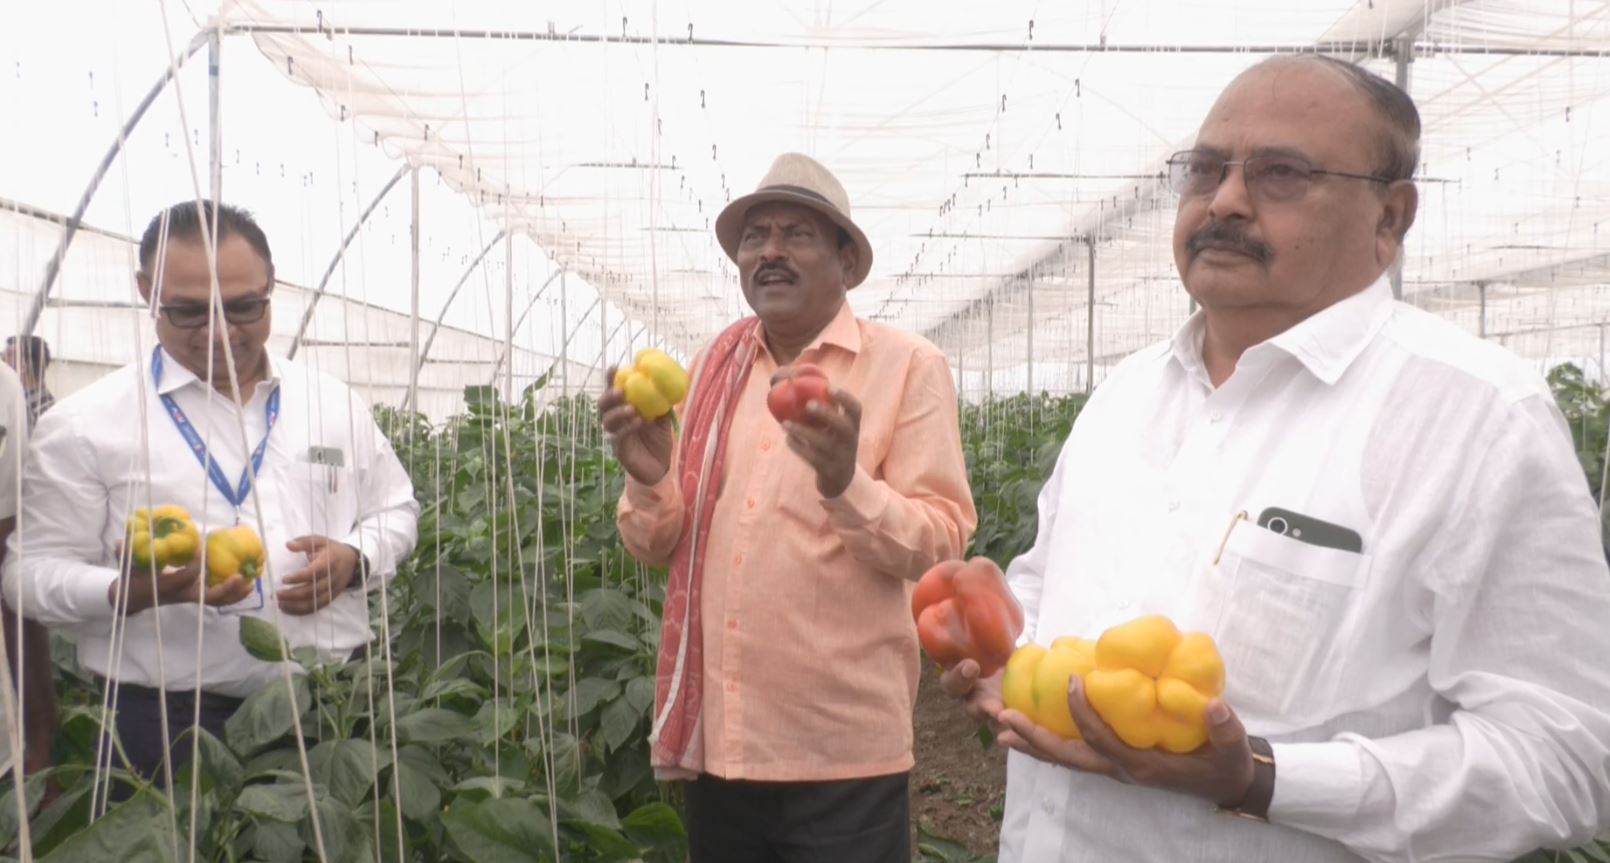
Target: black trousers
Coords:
[(844, 821), (139, 726)]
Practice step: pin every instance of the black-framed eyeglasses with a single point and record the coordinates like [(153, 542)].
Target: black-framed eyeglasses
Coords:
[(191, 315), (1275, 177)]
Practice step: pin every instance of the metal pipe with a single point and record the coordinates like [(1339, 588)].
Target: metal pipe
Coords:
[(1029, 351), (53, 269), (318, 292), (508, 313), (564, 315), (1481, 322), (562, 359), (1338, 47), (413, 285), (424, 350), (329, 271), (498, 363), (1090, 319), (215, 130)]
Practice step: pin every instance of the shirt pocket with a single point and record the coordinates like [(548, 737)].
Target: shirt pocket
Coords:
[(318, 498), (1284, 607)]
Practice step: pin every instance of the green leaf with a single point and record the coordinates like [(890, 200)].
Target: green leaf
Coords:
[(266, 716), (262, 639), (618, 722), (63, 819), (423, 760), (613, 638), (941, 850), (457, 687), (608, 846), (495, 719), (482, 399), (606, 608), (419, 796), (640, 694), (33, 791), (221, 764), (337, 830), (567, 758), (346, 767), (589, 693), (657, 829), (435, 725), (500, 831), (1597, 852), (277, 842), (281, 801), (135, 831), (489, 787), (590, 806)]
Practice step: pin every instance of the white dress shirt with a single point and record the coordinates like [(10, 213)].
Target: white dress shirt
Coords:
[(111, 448), (1442, 695)]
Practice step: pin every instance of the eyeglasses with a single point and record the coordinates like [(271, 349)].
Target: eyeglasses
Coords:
[(188, 316), (1279, 178)]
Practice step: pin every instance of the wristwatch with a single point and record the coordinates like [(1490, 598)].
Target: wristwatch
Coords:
[(360, 578), (1255, 806)]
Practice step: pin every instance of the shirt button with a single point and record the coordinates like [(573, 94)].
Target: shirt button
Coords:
[(732, 686), (1215, 417), (1047, 806), (765, 446), (732, 624), (750, 503), (1173, 505), (738, 559)]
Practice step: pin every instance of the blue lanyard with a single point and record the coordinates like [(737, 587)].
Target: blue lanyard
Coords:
[(237, 495)]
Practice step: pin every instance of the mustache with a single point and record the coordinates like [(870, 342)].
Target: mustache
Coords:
[(775, 267), (1228, 235)]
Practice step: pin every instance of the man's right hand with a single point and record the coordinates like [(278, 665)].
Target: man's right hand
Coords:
[(981, 698), (642, 447), (175, 586)]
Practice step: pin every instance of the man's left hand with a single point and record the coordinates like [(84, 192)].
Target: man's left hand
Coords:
[(330, 568), (1220, 771), (828, 438)]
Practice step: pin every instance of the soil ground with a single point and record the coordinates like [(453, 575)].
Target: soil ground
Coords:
[(958, 787)]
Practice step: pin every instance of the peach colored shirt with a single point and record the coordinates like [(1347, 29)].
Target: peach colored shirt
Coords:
[(810, 653)]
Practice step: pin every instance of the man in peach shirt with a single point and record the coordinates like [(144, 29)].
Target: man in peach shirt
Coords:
[(789, 662)]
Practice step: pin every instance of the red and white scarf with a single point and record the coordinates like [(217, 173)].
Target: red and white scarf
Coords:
[(677, 741)]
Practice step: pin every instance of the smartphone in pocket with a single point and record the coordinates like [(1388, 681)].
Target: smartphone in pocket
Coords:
[(1306, 528)]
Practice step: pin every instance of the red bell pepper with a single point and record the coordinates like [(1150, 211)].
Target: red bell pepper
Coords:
[(788, 397), (964, 610)]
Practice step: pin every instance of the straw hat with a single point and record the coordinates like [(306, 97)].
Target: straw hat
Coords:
[(798, 179)]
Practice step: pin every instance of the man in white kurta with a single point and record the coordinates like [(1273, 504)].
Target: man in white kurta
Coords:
[(1416, 648)]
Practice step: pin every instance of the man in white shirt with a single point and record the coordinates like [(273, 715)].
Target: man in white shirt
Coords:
[(34, 701), (1416, 649), (333, 505)]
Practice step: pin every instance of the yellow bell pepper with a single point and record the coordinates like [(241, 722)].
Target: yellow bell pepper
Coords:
[(1036, 682), (162, 537), (653, 384), (233, 550), (1152, 683)]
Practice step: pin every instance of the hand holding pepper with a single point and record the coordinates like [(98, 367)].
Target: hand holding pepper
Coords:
[(827, 438), (159, 566), (642, 446), (1147, 713), (174, 585)]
